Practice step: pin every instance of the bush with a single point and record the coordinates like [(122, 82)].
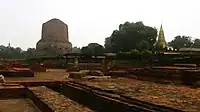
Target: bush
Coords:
[(135, 52), (146, 52)]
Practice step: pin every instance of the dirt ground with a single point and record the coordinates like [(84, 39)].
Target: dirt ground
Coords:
[(26, 106), (51, 74), (18, 105), (180, 97)]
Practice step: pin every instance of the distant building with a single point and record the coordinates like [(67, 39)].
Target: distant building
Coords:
[(54, 39), (161, 43)]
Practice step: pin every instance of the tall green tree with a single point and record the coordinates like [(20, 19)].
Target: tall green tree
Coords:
[(18, 50), (196, 43), (181, 41), (131, 36), (76, 50), (108, 45), (30, 52), (93, 48), (15, 53)]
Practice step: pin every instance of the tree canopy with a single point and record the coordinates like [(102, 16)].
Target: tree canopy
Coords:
[(93, 48), (76, 50), (135, 38), (131, 36), (196, 43), (181, 41), (11, 52)]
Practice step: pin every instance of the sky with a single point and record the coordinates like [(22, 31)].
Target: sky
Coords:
[(94, 20)]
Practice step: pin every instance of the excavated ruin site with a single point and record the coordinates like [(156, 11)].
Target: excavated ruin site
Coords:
[(35, 88)]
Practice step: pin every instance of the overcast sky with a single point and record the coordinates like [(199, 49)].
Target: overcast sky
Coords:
[(94, 20)]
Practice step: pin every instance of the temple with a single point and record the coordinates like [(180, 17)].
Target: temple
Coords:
[(161, 43), (55, 40)]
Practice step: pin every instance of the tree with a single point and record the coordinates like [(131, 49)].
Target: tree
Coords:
[(86, 50), (196, 43), (30, 52), (15, 53), (76, 50), (108, 44), (131, 36), (18, 50), (181, 41), (93, 48)]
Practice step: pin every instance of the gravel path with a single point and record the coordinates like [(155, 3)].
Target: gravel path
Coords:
[(58, 102)]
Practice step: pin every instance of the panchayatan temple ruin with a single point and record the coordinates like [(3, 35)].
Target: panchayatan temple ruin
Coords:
[(55, 39)]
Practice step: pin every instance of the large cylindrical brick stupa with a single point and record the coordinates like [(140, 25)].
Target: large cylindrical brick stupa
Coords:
[(55, 40)]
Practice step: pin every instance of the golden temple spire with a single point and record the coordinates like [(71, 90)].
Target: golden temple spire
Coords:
[(161, 43)]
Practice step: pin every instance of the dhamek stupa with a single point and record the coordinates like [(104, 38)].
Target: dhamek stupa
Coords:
[(161, 43), (55, 40)]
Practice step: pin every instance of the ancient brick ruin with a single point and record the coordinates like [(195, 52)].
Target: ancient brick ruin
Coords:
[(55, 40)]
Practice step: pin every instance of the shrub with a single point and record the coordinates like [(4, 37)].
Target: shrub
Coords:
[(135, 52), (146, 52)]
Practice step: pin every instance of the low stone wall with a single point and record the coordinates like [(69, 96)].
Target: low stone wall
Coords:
[(18, 73), (181, 76), (40, 104), (93, 101)]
